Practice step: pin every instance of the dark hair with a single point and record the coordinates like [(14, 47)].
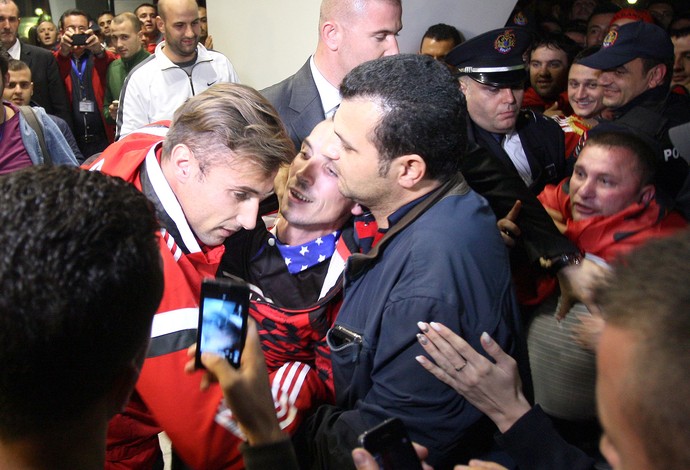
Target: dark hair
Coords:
[(80, 280), (72, 12), (555, 41), (648, 63), (151, 5), (680, 33), (105, 12), (15, 65), (604, 7), (4, 63), (443, 32), (423, 110), (638, 146), (586, 52), (648, 296)]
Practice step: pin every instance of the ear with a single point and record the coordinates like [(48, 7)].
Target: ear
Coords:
[(181, 160), (647, 193), (463, 86), (160, 24), (656, 75), (357, 209), (411, 169), (331, 34), (32, 89)]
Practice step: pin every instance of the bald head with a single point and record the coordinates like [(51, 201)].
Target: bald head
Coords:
[(345, 10), (166, 7)]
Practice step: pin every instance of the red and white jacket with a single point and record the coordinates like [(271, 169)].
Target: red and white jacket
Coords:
[(198, 423)]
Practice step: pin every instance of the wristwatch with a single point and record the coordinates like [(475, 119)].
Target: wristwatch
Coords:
[(555, 264)]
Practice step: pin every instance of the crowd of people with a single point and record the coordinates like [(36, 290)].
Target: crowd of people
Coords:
[(485, 240)]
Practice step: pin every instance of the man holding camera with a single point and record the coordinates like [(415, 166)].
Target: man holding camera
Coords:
[(83, 63)]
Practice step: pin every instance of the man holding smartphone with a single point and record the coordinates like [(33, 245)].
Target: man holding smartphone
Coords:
[(206, 179), (83, 63)]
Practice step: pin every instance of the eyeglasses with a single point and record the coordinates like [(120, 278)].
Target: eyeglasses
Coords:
[(22, 85)]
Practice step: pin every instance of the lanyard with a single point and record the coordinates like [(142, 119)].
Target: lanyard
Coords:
[(80, 73)]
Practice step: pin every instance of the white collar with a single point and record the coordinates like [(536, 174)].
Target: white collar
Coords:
[(330, 96), (170, 203), (16, 50)]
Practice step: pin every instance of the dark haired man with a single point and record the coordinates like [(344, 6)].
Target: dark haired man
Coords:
[(69, 369), (438, 40), (549, 59), (50, 90), (21, 146), (147, 13), (83, 68), (680, 82), (398, 140)]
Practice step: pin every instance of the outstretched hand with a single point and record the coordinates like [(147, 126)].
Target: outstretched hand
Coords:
[(494, 388)]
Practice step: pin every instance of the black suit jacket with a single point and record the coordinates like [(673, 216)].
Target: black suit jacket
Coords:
[(298, 102), (49, 89)]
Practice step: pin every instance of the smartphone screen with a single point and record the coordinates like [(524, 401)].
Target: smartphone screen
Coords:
[(390, 445), (223, 309)]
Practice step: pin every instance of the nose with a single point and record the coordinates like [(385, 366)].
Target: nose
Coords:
[(579, 91), (393, 49), (677, 65), (605, 79), (305, 175), (586, 189), (508, 95), (248, 212)]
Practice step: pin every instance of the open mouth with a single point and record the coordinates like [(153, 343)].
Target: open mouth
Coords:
[(299, 196)]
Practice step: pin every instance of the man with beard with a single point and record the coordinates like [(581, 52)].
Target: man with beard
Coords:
[(179, 69)]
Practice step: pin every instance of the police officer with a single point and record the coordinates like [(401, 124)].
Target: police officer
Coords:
[(492, 74), (636, 63)]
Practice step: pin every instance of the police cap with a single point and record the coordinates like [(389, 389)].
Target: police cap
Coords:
[(494, 58)]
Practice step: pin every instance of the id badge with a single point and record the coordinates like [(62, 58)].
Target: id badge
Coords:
[(86, 106)]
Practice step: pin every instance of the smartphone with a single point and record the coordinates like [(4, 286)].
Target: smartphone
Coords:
[(391, 446), (79, 39), (223, 309)]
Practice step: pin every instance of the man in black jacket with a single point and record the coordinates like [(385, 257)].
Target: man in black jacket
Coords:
[(49, 90)]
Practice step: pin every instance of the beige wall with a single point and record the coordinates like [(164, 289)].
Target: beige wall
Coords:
[(268, 40)]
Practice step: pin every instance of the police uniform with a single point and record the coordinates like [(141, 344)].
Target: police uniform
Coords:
[(537, 143)]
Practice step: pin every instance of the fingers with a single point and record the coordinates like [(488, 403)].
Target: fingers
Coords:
[(565, 303), (451, 344), (364, 460), (494, 350), (421, 451), (509, 231), (514, 211)]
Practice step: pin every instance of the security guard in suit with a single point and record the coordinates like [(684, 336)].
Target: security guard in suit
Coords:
[(492, 74)]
